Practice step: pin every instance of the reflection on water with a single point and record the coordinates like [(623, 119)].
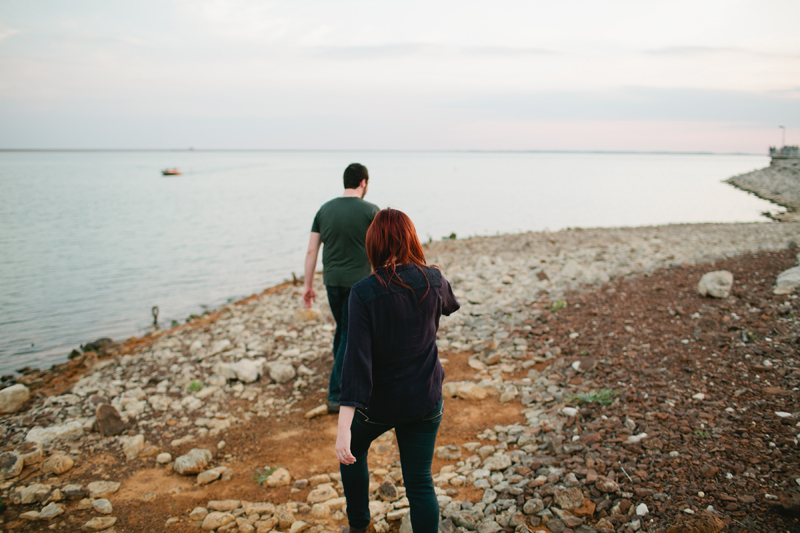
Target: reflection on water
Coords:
[(91, 241)]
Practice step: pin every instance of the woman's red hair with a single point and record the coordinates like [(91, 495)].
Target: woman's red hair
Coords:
[(392, 240)]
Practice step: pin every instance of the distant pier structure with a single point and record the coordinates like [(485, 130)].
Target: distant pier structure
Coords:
[(784, 152)]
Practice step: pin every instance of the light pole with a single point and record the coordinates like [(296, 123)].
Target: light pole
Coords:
[(783, 137)]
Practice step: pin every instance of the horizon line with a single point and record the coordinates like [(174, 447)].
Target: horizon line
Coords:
[(640, 152)]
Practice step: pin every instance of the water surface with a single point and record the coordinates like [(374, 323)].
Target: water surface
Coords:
[(90, 241)]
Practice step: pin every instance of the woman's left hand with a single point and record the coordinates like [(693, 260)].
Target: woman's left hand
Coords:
[(343, 454)]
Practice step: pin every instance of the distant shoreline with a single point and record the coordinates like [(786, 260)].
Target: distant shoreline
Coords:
[(189, 150)]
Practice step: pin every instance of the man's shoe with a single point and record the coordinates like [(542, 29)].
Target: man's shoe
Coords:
[(348, 529)]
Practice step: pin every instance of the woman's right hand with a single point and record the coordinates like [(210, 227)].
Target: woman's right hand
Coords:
[(343, 447), (343, 454)]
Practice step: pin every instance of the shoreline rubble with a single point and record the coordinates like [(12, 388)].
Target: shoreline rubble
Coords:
[(260, 358)]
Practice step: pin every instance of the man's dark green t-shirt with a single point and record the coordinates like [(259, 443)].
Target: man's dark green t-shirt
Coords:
[(342, 223)]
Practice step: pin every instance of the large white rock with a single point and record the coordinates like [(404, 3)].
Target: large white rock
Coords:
[(717, 284), (789, 278), (69, 431), (12, 398)]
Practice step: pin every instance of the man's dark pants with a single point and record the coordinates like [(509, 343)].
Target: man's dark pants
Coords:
[(338, 298)]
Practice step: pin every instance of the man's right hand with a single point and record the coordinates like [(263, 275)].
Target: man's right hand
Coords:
[(309, 297)]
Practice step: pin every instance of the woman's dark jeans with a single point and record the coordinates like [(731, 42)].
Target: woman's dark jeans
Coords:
[(416, 442)]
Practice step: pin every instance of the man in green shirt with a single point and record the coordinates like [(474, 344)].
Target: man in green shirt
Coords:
[(341, 225)]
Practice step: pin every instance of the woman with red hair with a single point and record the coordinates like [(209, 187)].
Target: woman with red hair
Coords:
[(391, 376)]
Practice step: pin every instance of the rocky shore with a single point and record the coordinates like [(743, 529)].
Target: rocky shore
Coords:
[(590, 387), (779, 183)]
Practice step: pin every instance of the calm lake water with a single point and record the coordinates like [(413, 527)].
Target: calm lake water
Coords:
[(90, 241)]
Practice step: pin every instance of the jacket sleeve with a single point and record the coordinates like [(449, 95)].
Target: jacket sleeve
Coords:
[(449, 303), (356, 378)]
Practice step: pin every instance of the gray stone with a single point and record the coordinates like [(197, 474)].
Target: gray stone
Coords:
[(717, 284), (10, 465), (13, 398), (194, 462)]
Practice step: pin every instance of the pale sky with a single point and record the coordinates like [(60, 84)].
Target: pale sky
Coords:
[(676, 75)]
